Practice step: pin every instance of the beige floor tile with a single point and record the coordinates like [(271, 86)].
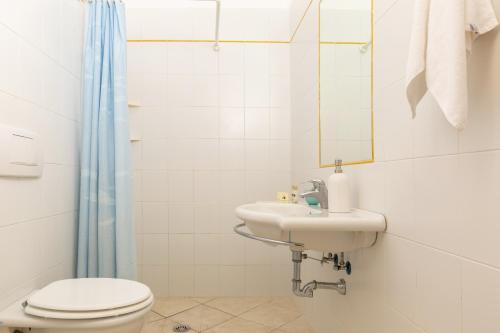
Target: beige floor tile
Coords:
[(202, 300), (273, 314), (237, 305), (172, 305), (152, 316), (160, 326), (201, 318), (286, 302), (299, 325), (238, 325)]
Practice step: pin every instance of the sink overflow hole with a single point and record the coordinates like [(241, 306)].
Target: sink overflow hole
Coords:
[(181, 328)]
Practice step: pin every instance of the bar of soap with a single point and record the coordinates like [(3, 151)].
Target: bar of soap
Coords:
[(283, 196)]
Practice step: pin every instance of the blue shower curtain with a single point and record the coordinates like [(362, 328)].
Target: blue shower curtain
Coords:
[(106, 241)]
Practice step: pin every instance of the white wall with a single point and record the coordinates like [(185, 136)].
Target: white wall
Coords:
[(195, 20), (437, 269), (215, 133), (40, 57)]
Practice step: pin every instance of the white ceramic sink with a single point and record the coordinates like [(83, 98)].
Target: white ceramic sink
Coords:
[(316, 229)]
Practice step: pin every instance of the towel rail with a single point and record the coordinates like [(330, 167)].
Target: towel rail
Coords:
[(237, 229)]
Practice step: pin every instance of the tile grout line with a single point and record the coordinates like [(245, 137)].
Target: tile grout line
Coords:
[(232, 316)]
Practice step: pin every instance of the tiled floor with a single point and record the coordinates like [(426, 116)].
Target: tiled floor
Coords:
[(227, 315)]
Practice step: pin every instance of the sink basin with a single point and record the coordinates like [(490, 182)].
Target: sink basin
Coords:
[(316, 229)]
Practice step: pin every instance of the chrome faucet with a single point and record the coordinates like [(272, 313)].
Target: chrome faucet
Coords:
[(319, 191)]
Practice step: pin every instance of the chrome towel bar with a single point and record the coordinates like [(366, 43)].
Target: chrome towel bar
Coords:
[(237, 229)]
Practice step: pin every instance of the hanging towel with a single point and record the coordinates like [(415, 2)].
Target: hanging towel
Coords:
[(441, 40)]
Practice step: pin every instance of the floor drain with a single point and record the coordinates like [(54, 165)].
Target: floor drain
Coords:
[(181, 328)]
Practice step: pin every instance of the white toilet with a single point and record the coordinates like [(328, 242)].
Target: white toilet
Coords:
[(81, 306)]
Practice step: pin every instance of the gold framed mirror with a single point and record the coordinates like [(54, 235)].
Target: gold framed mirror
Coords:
[(345, 82)]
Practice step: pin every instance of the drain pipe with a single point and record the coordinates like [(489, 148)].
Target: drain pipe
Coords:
[(297, 255), (308, 289)]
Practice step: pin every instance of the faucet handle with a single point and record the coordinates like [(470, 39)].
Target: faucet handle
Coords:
[(317, 183)]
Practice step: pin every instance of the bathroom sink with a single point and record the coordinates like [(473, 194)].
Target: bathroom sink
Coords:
[(314, 228)]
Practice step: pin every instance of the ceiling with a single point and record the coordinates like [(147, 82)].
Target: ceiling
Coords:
[(200, 3)]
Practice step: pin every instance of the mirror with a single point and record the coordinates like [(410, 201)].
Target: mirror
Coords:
[(345, 81)]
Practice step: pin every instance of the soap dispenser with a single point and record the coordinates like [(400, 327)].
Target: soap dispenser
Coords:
[(339, 188)]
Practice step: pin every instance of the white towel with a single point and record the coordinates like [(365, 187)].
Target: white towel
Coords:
[(442, 36)]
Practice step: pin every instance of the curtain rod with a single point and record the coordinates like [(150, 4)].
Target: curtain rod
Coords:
[(217, 18), (89, 1)]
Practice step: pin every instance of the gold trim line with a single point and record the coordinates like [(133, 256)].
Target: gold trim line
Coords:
[(228, 40)]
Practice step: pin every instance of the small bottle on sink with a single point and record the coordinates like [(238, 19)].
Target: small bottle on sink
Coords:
[(339, 190)]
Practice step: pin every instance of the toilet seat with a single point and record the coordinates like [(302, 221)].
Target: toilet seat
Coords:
[(88, 299), (44, 313)]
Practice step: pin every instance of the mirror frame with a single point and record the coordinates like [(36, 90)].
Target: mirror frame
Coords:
[(372, 160)]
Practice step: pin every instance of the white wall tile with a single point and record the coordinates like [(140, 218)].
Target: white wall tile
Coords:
[(279, 123), (206, 219), (232, 123), (155, 217), (435, 185), (400, 198), (206, 61), (231, 91), (181, 186), (155, 249), (480, 298), (232, 187), (181, 249), (232, 249), (180, 59), (181, 218), (206, 280), (478, 227), (206, 189), (231, 59), (437, 198), (257, 123), (256, 280), (205, 90), (279, 92), (206, 249), (156, 277), (257, 90), (433, 135), (392, 45), (232, 155), (206, 154), (203, 122), (40, 91), (181, 280), (400, 276), (232, 280), (207, 122), (256, 154), (257, 253), (154, 185), (438, 292)]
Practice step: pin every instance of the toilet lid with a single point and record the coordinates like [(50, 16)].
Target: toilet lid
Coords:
[(89, 295), (75, 315)]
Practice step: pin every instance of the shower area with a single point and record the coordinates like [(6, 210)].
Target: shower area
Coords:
[(210, 130)]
